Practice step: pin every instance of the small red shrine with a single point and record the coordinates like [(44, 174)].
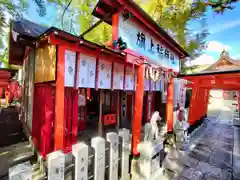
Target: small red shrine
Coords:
[(72, 86)]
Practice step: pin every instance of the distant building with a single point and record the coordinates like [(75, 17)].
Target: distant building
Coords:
[(225, 63)]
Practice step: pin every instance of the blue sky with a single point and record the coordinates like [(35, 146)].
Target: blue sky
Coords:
[(223, 29), (224, 34)]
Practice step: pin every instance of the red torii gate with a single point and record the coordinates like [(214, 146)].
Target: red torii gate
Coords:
[(224, 74)]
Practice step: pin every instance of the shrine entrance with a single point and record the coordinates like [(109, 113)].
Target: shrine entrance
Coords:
[(223, 74)]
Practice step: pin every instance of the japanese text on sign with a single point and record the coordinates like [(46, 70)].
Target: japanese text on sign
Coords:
[(143, 43)]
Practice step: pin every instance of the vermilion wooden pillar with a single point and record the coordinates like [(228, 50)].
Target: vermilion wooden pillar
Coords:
[(170, 106), (238, 99), (196, 106), (59, 124), (206, 102), (191, 119), (115, 25), (199, 101), (137, 117), (202, 102), (146, 115)]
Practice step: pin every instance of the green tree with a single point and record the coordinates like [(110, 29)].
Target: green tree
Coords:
[(80, 12), (8, 11), (173, 15)]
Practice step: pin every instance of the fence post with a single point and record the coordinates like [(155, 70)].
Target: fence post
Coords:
[(56, 164), (124, 133), (80, 152), (113, 139), (98, 143)]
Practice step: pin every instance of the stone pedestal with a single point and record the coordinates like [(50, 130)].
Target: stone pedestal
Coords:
[(21, 171), (182, 139), (147, 166)]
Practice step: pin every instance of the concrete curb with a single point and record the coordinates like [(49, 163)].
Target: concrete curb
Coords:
[(236, 153)]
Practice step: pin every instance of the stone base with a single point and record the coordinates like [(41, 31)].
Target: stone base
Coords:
[(137, 175)]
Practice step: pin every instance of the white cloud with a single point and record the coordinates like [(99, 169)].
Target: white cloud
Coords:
[(215, 46), (236, 57), (201, 60), (224, 26)]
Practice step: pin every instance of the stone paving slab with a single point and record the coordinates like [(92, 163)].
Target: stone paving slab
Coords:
[(211, 157), (189, 162), (206, 168), (192, 174), (226, 175), (224, 146), (14, 154), (199, 156)]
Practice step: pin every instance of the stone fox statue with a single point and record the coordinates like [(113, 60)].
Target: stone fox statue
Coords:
[(152, 129)]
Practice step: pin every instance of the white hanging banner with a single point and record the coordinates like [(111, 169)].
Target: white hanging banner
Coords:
[(105, 74), (135, 79), (69, 70), (129, 79), (162, 83), (158, 85), (176, 93), (118, 76), (86, 71), (146, 84), (153, 85), (183, 93), (149, 101)]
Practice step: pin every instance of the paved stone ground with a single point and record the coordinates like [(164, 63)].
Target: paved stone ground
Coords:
[(212, 154), (12, 155), (210, 157)]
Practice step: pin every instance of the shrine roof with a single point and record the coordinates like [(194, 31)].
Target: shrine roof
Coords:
[(106, 8), (25, 33), (225, 65), (210, 73)]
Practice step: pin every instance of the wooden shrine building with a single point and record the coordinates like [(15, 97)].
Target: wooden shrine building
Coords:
[(72, 86), (223, 74)]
